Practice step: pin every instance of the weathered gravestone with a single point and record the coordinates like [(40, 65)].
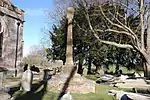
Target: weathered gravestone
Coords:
[(85, 71), (3, 94), (67, 96), (27, 79), (101, 71), (47, 75), (3, 72)]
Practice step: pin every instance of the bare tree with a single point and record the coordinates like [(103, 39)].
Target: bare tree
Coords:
[(140, 36), (36, 56)]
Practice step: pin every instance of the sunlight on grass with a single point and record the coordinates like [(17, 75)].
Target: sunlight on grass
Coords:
[(112, 68), (92, 77), (100, 94)]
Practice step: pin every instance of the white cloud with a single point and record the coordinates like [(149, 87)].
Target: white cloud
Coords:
[(35, 12)]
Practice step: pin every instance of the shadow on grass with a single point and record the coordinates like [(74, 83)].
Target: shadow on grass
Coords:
[(37, 92)]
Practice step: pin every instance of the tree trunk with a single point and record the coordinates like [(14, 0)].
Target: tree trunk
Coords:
[(147, 72), (147, 57), (89, 66), (144, 68), (80, 70), (117, 69), (97, 69), (146, 65)]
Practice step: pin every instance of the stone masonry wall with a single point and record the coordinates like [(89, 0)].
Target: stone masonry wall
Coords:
[(10, 15)]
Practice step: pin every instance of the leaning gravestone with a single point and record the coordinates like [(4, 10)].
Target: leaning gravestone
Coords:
[(27, 79)]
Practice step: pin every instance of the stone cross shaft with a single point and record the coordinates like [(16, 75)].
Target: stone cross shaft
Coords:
[(69, 51)]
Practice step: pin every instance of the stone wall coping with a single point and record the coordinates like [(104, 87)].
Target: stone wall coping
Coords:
[(12, 14), (11, 6), (11, 10)]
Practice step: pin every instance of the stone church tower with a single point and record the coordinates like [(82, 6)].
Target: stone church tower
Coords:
[(11, 36)]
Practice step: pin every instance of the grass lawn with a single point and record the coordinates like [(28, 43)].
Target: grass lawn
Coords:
[(112, 68), (100, 94), (40, 94), (92, 77)]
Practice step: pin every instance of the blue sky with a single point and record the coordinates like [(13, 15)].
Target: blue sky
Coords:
[(35, 20)]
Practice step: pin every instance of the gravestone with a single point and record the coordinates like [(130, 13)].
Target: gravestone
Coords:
[(47, 75), (3, 94), (3, 73), (85, 71), (101, 71), (67, 96), (27, 79)]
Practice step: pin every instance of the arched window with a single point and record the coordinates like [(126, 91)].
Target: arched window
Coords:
[(1, 39)]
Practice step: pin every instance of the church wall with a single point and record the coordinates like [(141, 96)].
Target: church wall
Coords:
[(9, 17)]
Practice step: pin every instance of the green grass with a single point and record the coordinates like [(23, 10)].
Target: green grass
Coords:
[(92, 77), (112, 68), (13, 79), (100, 94)]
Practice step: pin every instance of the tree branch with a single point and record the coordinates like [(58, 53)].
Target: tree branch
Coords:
[(123, 26), (137, 28), (80, 27), (98, 30), (142, 23), (114, 43), (123, 32), (108, 42), (148, 34), (117, 25), (127, 7), (88, 19)]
